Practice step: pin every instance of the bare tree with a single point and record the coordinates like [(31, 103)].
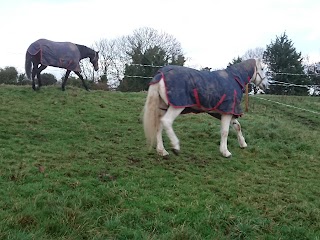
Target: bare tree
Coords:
[(114, 54), (87, 70), (112, 59), (147, 38), (253, 53)]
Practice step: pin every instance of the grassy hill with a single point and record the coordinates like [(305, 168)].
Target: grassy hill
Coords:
[(74, 165)]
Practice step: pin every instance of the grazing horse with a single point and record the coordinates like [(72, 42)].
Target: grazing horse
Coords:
[(65, 55), (176, 90)]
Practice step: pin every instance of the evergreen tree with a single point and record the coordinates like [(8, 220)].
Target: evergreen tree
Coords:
[(206, 69), (282, 57), (235, 60), (144, 66)]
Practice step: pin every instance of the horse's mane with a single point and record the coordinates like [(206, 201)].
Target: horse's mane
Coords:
[(85, 51)]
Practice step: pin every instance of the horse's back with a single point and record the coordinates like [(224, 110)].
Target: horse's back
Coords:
[(57, 54), (190, 88)]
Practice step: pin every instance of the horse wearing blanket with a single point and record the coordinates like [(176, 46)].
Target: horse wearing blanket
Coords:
[(176, 90), (67, 55)]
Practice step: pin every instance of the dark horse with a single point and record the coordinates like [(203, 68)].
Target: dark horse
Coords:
[(67, 55)]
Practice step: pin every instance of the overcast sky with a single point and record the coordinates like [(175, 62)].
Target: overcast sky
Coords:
[(211, 33)]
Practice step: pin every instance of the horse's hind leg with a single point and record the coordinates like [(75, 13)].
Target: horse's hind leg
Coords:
[(33, 75), (225, 124), (160, 148), (83, 82), (236, 125), (166, 122), (64, 82)]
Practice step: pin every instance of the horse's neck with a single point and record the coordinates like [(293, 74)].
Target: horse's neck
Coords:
[(84, 51)]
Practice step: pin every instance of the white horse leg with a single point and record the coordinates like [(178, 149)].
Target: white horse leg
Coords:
[(166, 122), (160, 148), (236, 125), (225, 124), (162, 105)]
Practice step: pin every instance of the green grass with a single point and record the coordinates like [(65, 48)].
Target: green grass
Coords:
[(74, 165)]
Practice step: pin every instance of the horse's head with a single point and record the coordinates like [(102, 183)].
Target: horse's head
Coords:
[(260, 79), (94, 60)]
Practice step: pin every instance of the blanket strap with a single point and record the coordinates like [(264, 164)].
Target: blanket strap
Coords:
[(196, 96)]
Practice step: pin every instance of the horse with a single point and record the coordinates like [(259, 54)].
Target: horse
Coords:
[(65, 55), (176, 90)]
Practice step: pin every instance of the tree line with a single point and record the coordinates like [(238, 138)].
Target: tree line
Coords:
[(129, 62), (287, 67)]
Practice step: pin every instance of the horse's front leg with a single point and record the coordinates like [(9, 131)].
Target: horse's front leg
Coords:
[(83, 82), (64, 82), (167, 121), (225, 124), (236, 125)]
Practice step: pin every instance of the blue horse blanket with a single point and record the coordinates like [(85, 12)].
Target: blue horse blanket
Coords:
[(219, 91), (57, 54)]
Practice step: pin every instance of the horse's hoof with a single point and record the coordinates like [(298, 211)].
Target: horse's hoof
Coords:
[(227, 154), (165, 157), (175, 151), (163, 153), (244, 145)]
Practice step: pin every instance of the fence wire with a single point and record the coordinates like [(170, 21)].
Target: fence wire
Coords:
[(272, 82), (287, 105), (293, 74)]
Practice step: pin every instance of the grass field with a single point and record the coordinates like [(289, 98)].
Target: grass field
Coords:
[(74, 165)]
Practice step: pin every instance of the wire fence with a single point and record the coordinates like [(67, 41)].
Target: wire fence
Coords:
[(287, 105), (131, 76), (272, 83), (269, 73), (293, 74)]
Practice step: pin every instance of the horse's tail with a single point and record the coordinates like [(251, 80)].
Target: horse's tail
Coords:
[(152, 114), (28, 65)]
